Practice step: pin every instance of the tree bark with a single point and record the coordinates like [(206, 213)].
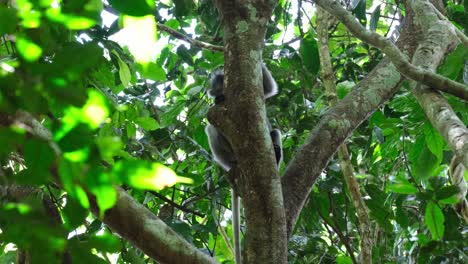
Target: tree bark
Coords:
[(143, 229), (339, 122), (438, 41), (129, 218), (242, 119)]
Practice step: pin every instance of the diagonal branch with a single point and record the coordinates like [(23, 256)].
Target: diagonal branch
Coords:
[(130, 219), (330, 133), (337, 124), (430, 53), (422, 75)]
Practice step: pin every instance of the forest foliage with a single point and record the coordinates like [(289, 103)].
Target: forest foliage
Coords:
[(126, 116)]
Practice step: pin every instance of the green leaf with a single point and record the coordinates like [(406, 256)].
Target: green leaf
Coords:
[(344, 260), (403, 188), (343, 88), (102, 76), (451, 200), (375, 19), (171, 113), (434, 219), (447, 191), (434, 141), (133, 7), (360, 12), (153, 71), (73, 213), (28, 49), (65, 67), (131, 130), (10, 137), (310, 54), (185, 55), (453, 63), (92, 114), (124, 72), (423, 161), (79, 137), (147, 123), (39, 157), (95, 226), (8, 20), (376, 194), (145, 175), (72, 22), (183, 7), (401, 217), (109, 146), (106, 197), (379, 135), (105, 242)]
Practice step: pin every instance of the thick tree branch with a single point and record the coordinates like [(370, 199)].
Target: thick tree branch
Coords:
[(129, 218), (242, 119), (401, 61), (430, 53), (331, 131), (143, 229), (457, 176), (338, 123)]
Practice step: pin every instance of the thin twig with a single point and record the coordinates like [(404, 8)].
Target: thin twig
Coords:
[(180, 207)]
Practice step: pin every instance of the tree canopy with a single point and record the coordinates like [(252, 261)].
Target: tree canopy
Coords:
[(104, 157)]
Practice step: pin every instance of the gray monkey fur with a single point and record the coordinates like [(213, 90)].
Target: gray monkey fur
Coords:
[(222, 150), (220, 147), (215, 90)]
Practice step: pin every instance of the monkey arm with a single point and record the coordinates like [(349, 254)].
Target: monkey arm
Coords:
[(270, 88), (220, 147), (215, 89), (277, 144)]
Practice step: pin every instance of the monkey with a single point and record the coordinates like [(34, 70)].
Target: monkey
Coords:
[(219, 145), (224, 156), (215, 89), (222, 150)]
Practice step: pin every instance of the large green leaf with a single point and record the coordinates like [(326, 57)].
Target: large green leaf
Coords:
[(8, 20), (403, 188), (434, 141), (423, 161), (434, 219), (133, 7), (447, 191), (375, 19), (310, 54), (454, 63)]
